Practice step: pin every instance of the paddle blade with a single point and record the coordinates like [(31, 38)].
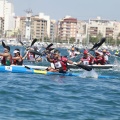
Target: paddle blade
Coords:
[(85, 67), (21, 43), (50, 49), (3, 44), (97, 45), (27, 67), (49, 46), (33, 42), (101, 42), (94, 46)]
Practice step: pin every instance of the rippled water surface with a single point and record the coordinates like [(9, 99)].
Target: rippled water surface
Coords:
[(35, 97), (40, 97)]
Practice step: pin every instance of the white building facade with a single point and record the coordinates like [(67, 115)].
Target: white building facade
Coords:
[(7, 12), (46, 17), (106, 28), (53, 30)]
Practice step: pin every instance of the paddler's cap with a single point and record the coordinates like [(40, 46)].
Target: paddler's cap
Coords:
[(85, 52), (16, 51), (7, 47), (56, 51)]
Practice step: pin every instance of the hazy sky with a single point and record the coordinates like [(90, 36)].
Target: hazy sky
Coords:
[(81, 9)]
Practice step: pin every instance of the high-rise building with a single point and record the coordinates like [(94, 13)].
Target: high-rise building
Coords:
[(81, 31), (7, 12), (47, 18), (53, 30), (67, 28), (116, 30), (38, 27), (100, 26), (106, 28), (1, 26), (17, 23)]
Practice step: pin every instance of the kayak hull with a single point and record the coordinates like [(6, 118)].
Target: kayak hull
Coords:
[(16, 69), (21, 69)]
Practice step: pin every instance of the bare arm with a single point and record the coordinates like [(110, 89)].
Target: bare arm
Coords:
[(39, 59), (49, 59), (4, 54), (79, 62), (25, 55), (15, 58), (69, 61)]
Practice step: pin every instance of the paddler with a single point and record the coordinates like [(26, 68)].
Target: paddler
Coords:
[(29, 55), (17, 59), (60, 62), (105, 55), (117, 52), (87, 58), (99, 59), (72, 52), (6, 56)]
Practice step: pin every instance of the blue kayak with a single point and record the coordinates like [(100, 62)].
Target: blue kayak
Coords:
[(27, 70)]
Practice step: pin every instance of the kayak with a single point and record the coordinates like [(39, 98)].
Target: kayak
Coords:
[(74, 67), (27, 70)]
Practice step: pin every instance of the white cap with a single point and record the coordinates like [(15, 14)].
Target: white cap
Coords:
[(16, 51)]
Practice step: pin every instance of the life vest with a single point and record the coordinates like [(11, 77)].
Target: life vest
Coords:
[(16, 62), (92, 60), (62, 63), (4, 61), (72, 54), (100, 60), (30, 56), (108, 53), (86, 61)]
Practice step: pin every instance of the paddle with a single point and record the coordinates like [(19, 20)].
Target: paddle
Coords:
[(98, 44), (85, 67), (3, 44), (81, 65), (33, 42), (49, 46), (27, 67), (21, 43), (41, 54)]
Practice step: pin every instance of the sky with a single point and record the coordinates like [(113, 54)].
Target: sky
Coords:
[(81, 9)]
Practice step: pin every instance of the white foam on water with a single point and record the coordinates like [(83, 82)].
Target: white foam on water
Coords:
[(89, 74), (117, 67)]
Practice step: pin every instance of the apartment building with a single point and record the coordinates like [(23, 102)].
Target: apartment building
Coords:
[(53, 30), (47, 18), (38, 27), (7, 12), (17, 23), (101, 26), (67, 28), (116, 30), (1, 25), (81, 30)]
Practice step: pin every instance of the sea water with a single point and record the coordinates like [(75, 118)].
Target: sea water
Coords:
[(42, 97)]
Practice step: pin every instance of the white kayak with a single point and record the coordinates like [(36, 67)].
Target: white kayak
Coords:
[(74, 67)]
